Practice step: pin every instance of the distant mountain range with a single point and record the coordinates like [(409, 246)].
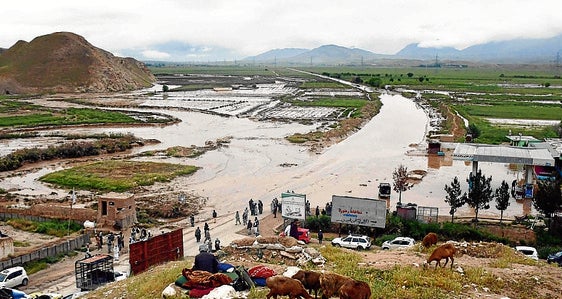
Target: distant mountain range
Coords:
[(541, 51)]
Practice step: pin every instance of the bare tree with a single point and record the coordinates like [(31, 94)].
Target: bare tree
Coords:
[(502, 199), (400, 176), (454, 197)]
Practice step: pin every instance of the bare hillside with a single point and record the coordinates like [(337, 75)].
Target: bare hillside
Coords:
[(66, 62)]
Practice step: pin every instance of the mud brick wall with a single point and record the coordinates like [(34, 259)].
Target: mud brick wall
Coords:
[(52, 211)]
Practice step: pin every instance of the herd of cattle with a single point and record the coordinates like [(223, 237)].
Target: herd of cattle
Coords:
[(332, 284)]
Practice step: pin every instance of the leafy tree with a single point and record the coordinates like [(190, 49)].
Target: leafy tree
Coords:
[(357, 80), (474, 131), (374, 82), (454, 197), (421, 79), (548, 198), (165, 88), (400, 176), (410, 75), (502, 198), (479, 192)]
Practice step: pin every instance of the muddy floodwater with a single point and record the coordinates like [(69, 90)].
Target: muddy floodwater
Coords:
[(259, 163)]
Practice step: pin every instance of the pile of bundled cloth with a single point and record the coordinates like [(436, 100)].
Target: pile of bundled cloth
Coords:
[(201, 283), (260, 273)]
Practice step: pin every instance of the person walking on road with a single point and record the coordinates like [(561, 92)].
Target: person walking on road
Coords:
[(207, 236), (198, 234), (249, 226), (215, 216), (237, 218), (245, 216)]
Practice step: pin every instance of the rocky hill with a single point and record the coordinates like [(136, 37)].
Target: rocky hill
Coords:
[(66, 62)]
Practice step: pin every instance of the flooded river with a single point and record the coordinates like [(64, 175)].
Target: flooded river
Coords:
[(260, 164)]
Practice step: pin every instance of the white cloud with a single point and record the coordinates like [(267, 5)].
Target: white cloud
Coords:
[(153, 54), (254, 26)]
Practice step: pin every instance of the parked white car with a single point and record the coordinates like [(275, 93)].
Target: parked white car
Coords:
[(398, 243), (528, 251), (353, 241), (13, 277)]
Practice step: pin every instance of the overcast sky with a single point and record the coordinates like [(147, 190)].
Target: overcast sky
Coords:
[(198, 30)]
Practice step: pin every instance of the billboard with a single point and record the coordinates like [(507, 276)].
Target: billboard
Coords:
[(359, 211), (293, 205)]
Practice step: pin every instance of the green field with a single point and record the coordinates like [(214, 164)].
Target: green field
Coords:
[(476, 92), (117, 175), (23, 114)]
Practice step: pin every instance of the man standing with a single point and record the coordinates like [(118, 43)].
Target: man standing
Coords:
[(256, 226), (251, 206), (320, 236), (192, 220), (207, 236), (260, 207), (215, 216), (237, 218), (249, 226), (205, 261), (245, 216), (198, 234)]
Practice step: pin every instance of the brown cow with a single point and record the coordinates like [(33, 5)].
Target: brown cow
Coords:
[(330, 283), (429, 240), (310, 280), (444, 251), (282, 286), (355, 289)]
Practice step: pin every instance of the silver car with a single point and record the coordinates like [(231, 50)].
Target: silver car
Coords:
[(398, 243)]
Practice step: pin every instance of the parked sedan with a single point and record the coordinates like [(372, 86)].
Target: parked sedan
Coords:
[(353, 241), (555, 258), (530, 252), (398, 243)]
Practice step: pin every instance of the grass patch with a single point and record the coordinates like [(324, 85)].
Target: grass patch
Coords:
[(21, 243), (52, 227), (118, 176), (38, 265)]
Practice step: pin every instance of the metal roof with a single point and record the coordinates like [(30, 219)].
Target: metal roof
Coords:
[(503, 154)]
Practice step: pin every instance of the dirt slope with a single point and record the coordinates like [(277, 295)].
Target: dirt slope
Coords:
[(66, 62)]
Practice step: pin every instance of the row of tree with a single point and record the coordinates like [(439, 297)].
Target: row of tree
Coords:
[(547, 200)]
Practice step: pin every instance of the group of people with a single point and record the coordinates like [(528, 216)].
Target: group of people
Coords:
[(115, 242), (207, 241), (255, 207), (253, 228)]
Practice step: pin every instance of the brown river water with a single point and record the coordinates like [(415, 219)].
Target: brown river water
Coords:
[(260, 164)]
